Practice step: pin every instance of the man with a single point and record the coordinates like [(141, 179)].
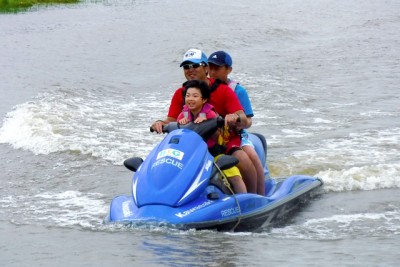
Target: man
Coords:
[(225, 102), (220, 66)]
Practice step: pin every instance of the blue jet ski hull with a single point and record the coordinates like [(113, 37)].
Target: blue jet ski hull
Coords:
[(241, 212)]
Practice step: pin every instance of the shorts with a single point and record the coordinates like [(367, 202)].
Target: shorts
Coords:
[(233, 144), (231, 172), (245, 140)]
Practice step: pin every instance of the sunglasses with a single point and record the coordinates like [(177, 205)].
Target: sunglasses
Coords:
[(192, 66)]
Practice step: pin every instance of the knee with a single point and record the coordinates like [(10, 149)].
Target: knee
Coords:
[(242, 156)]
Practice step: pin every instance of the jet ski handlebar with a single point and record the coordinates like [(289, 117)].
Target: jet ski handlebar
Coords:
[(205, 129)]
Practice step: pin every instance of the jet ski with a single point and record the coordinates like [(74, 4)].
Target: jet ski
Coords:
[(179, 185)]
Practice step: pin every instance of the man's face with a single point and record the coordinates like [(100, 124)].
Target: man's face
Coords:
[(219, 72), (195, 71)]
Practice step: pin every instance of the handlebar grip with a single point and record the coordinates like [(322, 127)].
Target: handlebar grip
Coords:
[(151, 127), (164, 128)]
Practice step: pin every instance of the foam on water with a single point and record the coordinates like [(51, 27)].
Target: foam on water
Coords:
[(344, 226), (69, 208), (359, 161), (371, 177), (78, 121)]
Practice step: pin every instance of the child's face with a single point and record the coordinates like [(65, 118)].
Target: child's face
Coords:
[(194, 99)]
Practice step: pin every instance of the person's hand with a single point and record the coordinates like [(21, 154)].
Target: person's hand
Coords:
[(199, 119), (157, 126), (183, 121), (231, 120)]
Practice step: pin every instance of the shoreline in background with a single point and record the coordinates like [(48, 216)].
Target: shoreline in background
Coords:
[(14, 6)]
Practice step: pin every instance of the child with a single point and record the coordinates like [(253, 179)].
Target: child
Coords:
[(196, 109)]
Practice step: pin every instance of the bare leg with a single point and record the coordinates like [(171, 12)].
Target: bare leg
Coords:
[(247, 170), (251, 152), (237, 184)]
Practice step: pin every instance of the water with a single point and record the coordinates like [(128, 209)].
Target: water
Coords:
[(81, 84)]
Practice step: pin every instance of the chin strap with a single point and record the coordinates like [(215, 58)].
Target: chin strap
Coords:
[(228, 185)]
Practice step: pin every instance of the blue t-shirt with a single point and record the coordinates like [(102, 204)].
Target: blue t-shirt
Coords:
[(243, 97), (248, 110)]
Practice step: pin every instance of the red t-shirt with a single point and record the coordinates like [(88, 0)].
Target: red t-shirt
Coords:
[(223, 99)]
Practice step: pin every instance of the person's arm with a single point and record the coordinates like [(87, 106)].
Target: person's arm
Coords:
[(236, 116), (177, 103), (248, 123), (238, 120), (246, 104), (158, 124), (175, 109)]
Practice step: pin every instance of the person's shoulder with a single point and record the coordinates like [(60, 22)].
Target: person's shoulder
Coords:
[(224, 86), (240, 90), (178, 92), (210, 111), (208, 107), (217, 83), (179, 89), (239, 86)]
